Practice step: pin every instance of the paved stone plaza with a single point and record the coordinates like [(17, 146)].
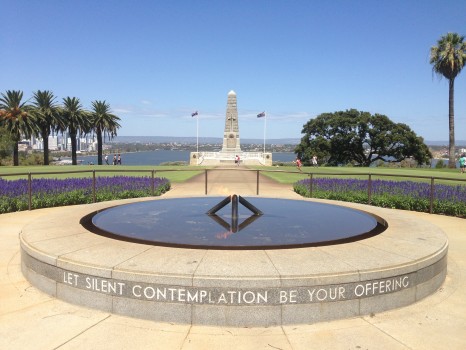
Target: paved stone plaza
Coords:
[(32, 319)]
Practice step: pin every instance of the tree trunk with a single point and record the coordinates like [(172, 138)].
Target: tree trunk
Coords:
[(15, 154), (451, 124), (45, 139), (99, 146), (74, 158)]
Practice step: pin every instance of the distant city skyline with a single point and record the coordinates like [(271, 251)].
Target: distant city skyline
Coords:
[(89, 143), (158, 62)]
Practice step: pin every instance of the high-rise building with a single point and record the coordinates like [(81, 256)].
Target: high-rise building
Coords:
[(53, 143)]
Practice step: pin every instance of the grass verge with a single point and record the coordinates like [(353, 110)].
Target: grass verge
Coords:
[(173, 174)]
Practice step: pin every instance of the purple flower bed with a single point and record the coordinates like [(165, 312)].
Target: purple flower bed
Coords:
[(411, 195), (54, 192)]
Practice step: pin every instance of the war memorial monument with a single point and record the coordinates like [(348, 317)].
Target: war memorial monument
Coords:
[(231, 144)]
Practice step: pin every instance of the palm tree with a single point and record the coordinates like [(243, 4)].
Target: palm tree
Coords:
[(448, 58), (104, 123), (48, 118), (16, 117), (76, 120)]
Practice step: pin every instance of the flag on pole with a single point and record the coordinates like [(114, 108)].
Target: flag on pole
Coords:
[(194, 114), (260, 115)]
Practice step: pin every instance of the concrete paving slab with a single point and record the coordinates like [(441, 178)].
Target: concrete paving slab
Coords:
[(181, 263), (46, 325), (96, 259), (355, 337), (236, 338), (20, 296), (141, 335), (217, 264)]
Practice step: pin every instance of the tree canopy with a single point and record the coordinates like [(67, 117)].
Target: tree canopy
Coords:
[(47, 116), (448, 59), (17, 118), (76, 120), (105, 123), (359, 138)]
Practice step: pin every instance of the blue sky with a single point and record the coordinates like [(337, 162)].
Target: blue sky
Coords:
[(156, 62)]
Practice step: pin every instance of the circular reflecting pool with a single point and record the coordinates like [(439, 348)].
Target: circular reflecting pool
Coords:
[(183, 222)]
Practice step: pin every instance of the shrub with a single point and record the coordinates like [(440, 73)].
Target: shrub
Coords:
[(440, 164), (59, 192), (407, 195)]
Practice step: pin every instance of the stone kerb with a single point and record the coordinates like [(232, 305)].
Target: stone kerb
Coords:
[(234, 288)]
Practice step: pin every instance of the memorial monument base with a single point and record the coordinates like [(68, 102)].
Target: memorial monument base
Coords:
[(241, 288), (228, 158)]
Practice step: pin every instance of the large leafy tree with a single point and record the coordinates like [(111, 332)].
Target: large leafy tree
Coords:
[(76, 120), (16, 118), (48, 118), (358, 137), (448, 59), (104, 124)]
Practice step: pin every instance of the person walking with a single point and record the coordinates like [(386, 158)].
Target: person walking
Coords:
[(463, 163), (314, 161), (119, 159), (299, 164), (114, 159), (237, 160), (106, 159)]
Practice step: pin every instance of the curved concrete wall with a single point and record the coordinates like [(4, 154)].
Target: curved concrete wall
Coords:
[(234, 288)]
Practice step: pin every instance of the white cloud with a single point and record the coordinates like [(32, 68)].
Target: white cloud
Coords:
[(121, 111)]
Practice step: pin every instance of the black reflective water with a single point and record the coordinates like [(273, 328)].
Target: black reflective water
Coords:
[(284, 223)]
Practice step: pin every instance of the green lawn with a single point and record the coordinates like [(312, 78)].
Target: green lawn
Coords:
[(283, 174), (172, 173), (289, 174)]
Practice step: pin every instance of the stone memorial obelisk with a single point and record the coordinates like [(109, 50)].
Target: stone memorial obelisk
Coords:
[(231, 142)]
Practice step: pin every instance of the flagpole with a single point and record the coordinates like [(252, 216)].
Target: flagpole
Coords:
[(265, 124), (196, 114)]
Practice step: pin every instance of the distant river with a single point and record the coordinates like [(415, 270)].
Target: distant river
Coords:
[(162, 156)]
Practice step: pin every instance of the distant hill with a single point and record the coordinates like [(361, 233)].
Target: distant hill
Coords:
[(458, 143), (204, 140), (219, 140)]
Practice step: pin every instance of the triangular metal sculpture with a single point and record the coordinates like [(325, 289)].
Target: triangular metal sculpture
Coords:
[(234, 199)]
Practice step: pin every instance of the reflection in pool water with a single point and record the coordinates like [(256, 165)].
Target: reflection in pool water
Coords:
[(284, 224)]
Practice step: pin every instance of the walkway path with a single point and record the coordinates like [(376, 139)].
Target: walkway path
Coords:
[(233, 180), (30, 319)]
